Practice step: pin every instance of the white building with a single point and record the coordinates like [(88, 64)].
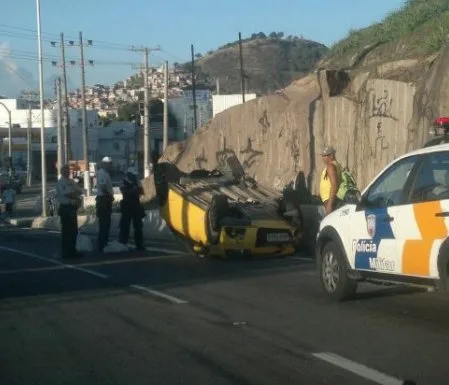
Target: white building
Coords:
[(182, 109), (19, 119), (221, 103), (119, 140)]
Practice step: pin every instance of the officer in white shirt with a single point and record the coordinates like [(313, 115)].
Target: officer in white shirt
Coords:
[(104, 199), (68, 195)]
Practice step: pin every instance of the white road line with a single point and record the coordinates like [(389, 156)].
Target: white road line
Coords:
[(359, 369), (50, 260), (88, 271), (96, 274), (157, 293), (306, 259), (167, 251), (31, 255)]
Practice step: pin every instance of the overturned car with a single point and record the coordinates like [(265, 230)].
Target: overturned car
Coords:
[(226, 213)]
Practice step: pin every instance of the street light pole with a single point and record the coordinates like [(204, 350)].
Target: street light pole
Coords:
[(41, 93), (9, 128)]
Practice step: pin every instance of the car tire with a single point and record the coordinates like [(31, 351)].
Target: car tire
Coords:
[(334, 279), (443, 268)]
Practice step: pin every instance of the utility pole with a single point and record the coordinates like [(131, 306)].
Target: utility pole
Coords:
[(66, 132), (146, 119), (60, 153), (146, 110), (84, 118), (195, 123), (41, 97), (165, 136), (29, 147), (242, 73)]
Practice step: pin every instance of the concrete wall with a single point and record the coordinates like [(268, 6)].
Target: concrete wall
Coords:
[(277, 136)]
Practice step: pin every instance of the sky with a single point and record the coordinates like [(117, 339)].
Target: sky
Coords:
[(114, 26)]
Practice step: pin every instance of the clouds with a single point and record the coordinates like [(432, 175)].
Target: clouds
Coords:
[(13, 78)]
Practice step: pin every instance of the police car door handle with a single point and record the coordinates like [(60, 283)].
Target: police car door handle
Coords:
[(442, 214), (388, 219)]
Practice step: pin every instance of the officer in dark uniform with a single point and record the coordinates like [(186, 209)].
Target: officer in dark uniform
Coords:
[(68, 195), (131, 209)]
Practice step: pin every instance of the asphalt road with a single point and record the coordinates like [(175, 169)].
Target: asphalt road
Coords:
[(167, 318)]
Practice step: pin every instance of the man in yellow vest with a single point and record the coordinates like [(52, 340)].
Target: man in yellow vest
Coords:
[(330, 180)]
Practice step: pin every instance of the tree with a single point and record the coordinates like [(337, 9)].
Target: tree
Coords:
[(127, 111), (280, 35), (198, 55), (261, 35), (273, 35)]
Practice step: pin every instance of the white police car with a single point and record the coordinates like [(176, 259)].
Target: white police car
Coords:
[(397, 233)]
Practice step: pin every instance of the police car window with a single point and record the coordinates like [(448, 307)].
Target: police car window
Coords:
[(432, 180), (387, 190)]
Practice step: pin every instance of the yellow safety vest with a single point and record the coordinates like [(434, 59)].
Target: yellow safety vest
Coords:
[(325, 183)]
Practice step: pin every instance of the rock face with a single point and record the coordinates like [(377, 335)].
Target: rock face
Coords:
[(370, 117)]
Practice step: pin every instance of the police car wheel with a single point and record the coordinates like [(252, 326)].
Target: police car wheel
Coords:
[(443, 267), (333, 274)]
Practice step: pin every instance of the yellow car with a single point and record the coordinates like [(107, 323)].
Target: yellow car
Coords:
[(226, 213)]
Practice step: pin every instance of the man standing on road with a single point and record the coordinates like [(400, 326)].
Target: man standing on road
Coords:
[(131, 209), (68, 194), (104, 199), (330, 180)]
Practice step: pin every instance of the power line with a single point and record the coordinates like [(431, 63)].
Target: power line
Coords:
[(22, 54), (29, 34)]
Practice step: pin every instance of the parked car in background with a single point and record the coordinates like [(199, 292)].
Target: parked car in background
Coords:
[(16, 181)]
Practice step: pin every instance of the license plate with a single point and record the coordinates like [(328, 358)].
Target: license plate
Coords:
[(278, 237)]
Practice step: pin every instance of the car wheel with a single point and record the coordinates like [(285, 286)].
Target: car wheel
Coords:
[(443, 268), (333, 274)]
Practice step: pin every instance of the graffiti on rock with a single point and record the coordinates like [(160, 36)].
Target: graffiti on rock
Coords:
[(381, 106), (250, 154), (223, 154), (293, 145), (263, 121), (201, 160)]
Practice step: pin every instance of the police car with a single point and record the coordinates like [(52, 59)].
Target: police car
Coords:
[(397, 233)]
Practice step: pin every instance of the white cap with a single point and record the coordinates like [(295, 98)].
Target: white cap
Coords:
[(106, 159)]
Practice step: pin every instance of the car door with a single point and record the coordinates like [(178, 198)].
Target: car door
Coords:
[(372, 235), (423, 223)]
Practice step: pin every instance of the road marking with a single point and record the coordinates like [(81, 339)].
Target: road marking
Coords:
[(167, 251), (32, 270), (31, 255), (306, 259), (88, 271), (51, 260), (157, 293), (143, 289), (126, 260), (359, 369)]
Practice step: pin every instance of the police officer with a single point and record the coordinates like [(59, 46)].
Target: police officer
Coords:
[(131, 209), (68, 195), (104, 199)]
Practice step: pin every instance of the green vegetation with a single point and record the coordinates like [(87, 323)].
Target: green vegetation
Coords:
[(422, 24)]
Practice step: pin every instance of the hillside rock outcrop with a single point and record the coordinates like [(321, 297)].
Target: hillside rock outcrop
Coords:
[(370, 117)]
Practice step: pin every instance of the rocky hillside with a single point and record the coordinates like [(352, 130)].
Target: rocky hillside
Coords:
[(373, 97), (270, 63)]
